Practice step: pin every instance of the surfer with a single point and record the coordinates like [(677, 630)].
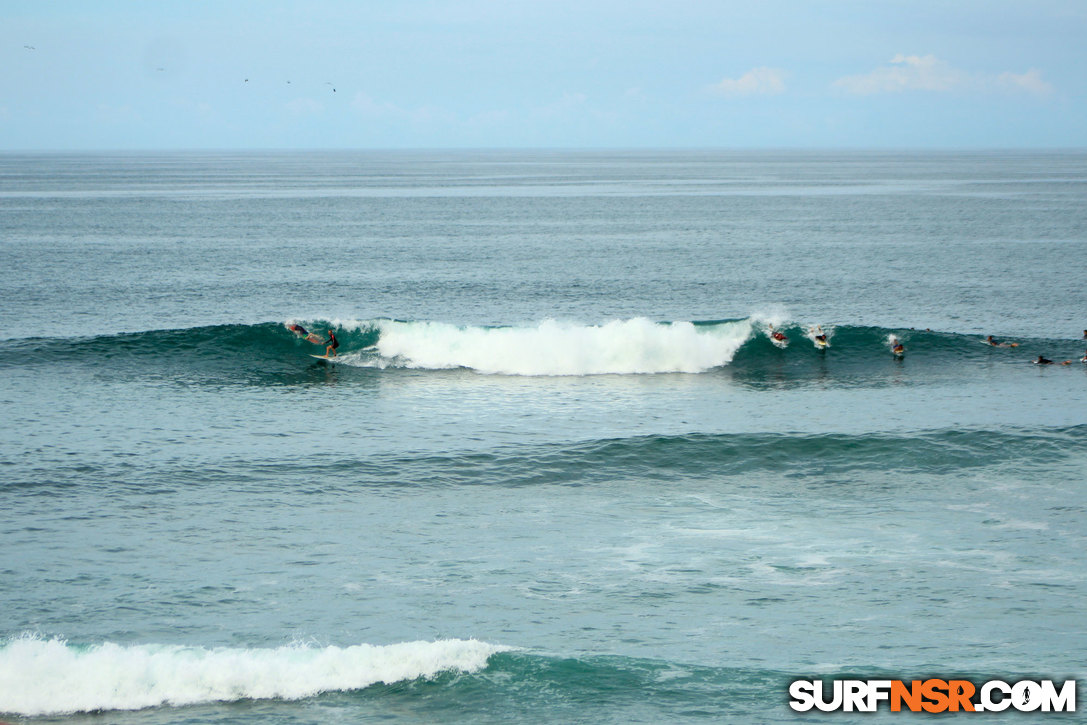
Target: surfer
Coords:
[(777, 335), (997, 343), (298, 330), (332, 344), (1043, 361), (897, 347)]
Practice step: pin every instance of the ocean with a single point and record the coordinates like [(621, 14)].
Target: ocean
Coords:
[(560, 471)]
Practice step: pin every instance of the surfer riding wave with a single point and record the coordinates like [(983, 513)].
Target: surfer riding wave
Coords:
[(332, 344)]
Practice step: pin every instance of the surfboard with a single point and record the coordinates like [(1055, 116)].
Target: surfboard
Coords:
[(326, 358)]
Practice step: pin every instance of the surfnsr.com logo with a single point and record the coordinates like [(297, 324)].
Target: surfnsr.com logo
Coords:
[(933, 695)]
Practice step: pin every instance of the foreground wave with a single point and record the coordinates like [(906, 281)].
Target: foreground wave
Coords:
[(664, 458), (422, 681), (549, 348), (46, 677)]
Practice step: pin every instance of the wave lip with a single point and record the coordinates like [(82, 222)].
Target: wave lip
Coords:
[(49, 677), (619, 347)]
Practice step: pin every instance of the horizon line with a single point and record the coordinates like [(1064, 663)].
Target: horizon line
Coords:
[(551, 149)]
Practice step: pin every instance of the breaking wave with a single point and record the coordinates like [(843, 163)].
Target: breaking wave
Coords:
[(548, 348), (50, 676)]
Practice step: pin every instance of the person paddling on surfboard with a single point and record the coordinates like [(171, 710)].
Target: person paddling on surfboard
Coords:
[(897, 347), (304, 334), (332, 344), (1043, 361)]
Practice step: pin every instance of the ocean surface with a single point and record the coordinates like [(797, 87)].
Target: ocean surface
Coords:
[(560, 471)]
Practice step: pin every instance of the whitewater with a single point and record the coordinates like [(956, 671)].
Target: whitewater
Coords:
[(554, 348), (47, 677)]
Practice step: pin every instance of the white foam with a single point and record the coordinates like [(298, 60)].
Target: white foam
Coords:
[(44, 677), (776, 315), (561, 348)]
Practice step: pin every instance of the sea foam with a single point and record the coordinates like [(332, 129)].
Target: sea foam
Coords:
[(50, 676), (560, 348)]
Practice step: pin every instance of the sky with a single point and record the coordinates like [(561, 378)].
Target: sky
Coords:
[(332, 74)]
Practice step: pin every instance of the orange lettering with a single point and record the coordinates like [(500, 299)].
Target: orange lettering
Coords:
[(911, 695), (960, 692), (934, 690)]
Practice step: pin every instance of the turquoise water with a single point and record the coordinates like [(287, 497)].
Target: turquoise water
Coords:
[(559, 472)]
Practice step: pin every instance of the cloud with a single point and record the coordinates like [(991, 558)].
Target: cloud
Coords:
[(1031, 82), (929, 73), (757, 81), (905, 73)]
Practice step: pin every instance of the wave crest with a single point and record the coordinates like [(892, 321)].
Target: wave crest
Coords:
[(558, 348), (46, 677)]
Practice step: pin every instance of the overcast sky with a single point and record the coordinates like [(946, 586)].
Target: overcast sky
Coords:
[(224, 74)]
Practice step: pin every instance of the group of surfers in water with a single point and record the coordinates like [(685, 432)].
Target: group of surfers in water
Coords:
[(898, 349), (820, 339), (779, 336), (1042, 360)]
